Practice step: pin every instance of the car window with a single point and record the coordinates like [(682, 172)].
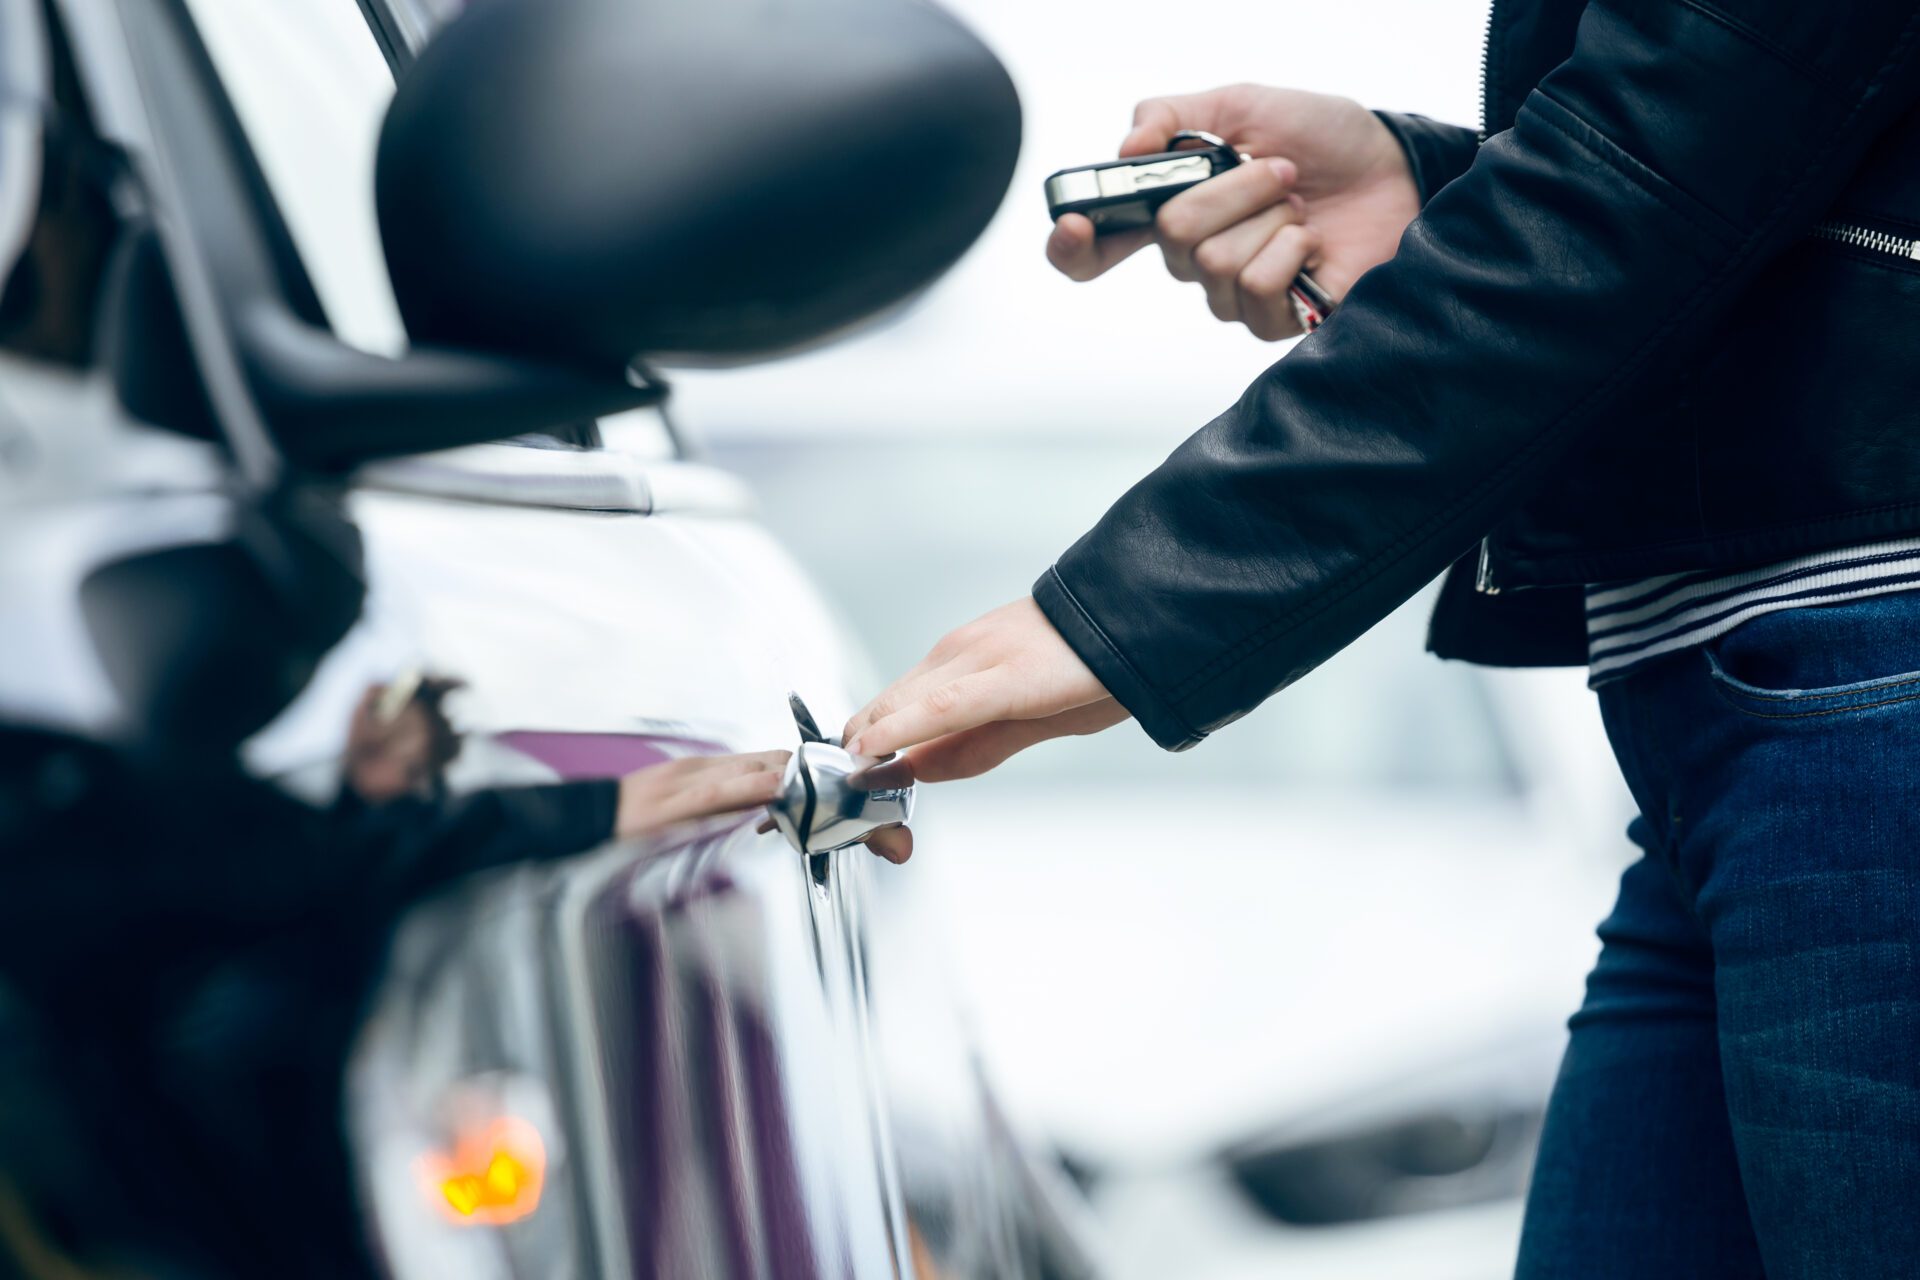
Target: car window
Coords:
[(415, 21), (310, 86), (911, 537)]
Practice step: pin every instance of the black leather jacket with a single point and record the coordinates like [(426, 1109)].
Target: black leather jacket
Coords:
[(1610, 346)]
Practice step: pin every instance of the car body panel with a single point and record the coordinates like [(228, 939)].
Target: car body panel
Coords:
[(689, 1014)]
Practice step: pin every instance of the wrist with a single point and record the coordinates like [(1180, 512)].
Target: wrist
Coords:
[(629, 818), (1091, 642), (1434, 153)]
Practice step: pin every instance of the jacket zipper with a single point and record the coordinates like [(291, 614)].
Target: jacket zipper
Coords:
[(1483, 574), (1486, 74), (1867, 238), (1841, 232)]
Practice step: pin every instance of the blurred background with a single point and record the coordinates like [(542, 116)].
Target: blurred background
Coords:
[(1288, 1004)]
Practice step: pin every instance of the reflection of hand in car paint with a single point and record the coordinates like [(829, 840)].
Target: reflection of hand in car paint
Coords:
[(404, 750), (657, 797), (400, 743)]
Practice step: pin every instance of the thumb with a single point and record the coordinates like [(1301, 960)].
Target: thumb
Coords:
[(972, 752)]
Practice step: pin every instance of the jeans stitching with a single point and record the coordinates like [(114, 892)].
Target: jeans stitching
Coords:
[(1672, 829), (1825, 711), (1812, 695), (1667, 827)]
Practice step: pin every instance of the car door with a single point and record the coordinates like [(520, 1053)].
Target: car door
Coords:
[(671, 1039)]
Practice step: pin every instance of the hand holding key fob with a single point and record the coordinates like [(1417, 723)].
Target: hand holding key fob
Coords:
[(1117, 195)]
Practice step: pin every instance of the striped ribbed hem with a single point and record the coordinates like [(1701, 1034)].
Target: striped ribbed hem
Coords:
[(1632, 624)]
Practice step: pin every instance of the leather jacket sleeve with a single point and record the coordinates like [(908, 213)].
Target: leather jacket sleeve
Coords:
[(1586, 256), (1436, 153), (417, 845)]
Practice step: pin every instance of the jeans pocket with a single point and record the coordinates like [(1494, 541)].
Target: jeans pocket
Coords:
[(1821, 659)]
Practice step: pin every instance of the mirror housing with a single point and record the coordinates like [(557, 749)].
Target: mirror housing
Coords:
[(594, 181)]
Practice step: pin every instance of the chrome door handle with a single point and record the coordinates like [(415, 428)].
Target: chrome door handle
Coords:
[(830, 798)]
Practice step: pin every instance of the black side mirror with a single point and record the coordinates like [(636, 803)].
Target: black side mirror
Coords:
[(590, 181)]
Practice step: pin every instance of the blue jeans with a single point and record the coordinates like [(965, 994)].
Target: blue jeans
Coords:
[(1741, 1090)]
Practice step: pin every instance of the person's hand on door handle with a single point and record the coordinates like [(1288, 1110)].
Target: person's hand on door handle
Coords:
[(990, 689)]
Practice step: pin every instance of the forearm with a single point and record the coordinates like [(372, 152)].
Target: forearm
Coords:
[(417, 845), (1584, 257)]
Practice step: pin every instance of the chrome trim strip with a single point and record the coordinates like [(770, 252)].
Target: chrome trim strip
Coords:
[(562, 479)]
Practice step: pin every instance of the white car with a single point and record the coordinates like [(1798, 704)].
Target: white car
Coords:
[(235, 492)]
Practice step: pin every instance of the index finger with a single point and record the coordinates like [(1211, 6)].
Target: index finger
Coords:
[(1077, 253), (897, 694), (948, 707), (1156, 120)]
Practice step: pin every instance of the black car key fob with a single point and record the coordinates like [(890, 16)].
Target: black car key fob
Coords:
[(1117, 195)]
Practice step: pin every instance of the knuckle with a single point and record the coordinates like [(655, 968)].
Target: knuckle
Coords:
[(951, 643), (942, 699), (1271, 186), (1214, 258), (1261, 281)]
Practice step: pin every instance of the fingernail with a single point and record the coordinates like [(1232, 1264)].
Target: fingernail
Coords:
[(856, 748), (1282, 169)]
